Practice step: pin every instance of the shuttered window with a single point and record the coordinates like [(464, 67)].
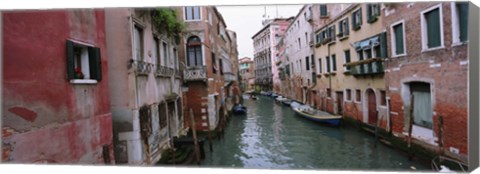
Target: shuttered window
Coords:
[(320, 66), (432, 19), (323, 11), (462, 8), (398, 36), (83, 62), (334, 63), (357, 19), (328, 64), (192, 13), (307, 64), (347, 59)]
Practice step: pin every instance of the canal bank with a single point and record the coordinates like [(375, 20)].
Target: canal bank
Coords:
[(271, 136)]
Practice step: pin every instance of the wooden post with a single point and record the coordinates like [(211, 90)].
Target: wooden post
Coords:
[(209, 134), (440, 132), (376, 130), (410, 125), (194, 131)]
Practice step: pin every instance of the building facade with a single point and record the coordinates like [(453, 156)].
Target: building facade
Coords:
[(247, 74), (426, 74), (265, 53), (206, 64), (145, 85), (350, 51), (56, 106)]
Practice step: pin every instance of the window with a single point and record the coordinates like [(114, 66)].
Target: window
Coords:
[(313, 61), (329, 92), (320, 65), (299, 44), (165, 54), (349, 94), (432, 28), (334, 63), (138, 42), (83, 62), (373, 11), (459, 21), (306, 38), (307, 63), (343, 28), (192, 13), (175, 57), (357, 19), (347, 59), (328, 64), (194, 52), (358, 95), (331, 32), (156, 50), (214, 64), (162, 113), (323, 11), (398, 39), (383, 98), (220, 62), (422, 104)]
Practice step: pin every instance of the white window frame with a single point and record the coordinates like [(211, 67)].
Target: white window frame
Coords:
[(393, 41), (192, 20), (346, 95), (85, 63), (455, 25), (424, 29)]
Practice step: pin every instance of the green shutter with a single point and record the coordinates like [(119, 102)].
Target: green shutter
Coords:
[(398, 30), (347, 58), (70, 61), (383, 45), (433, 28), (328, 64), (95, 60), (347, 30), (340, 28), (369, 12), (307, 63), (360, 16), (334, 63), (320, 65), (323, 10), (462, 8)]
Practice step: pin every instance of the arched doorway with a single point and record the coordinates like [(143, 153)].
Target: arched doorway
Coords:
[(371, 107)]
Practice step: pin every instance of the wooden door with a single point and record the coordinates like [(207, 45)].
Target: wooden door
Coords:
[(372, 107), (340, 103)]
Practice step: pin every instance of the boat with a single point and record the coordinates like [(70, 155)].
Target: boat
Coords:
[(287, 102), (317, 116), (280, 98), (253, 97), (239, 109)]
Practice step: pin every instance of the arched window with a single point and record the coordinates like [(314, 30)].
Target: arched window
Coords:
[(194, 51)]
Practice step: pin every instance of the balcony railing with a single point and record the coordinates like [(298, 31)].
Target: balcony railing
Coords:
[(195, 73), (228, 76), (366, 67), (164, 71), (141, 67)]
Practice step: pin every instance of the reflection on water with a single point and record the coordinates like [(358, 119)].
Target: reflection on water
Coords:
[(271, 136)]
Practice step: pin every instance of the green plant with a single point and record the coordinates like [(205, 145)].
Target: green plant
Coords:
[(165, 21)]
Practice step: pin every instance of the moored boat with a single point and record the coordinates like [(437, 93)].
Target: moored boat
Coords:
[(317, 116), (239, 109)]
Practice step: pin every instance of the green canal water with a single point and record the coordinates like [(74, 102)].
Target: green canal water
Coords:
[(271, 136)]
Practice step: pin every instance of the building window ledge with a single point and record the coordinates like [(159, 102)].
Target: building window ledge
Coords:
[(459, 43), (84, 81), (433, 49), (399, 55)]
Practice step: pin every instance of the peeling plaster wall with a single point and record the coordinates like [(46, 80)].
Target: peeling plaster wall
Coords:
[(46, 118)]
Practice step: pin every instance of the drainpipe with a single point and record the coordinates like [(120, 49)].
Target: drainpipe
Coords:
[(330, 75)]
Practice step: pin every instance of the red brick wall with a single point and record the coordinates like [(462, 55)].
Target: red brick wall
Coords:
[(196, 95), (449, 80)]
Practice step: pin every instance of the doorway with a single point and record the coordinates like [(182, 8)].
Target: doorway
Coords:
[(340, 103), (372, 107)]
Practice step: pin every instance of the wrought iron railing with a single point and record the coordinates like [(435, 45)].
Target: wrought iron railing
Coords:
[(141, 67), (195, 73), (367, 67), (164, 71)]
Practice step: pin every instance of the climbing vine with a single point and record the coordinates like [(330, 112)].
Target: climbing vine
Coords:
[(165, 21)]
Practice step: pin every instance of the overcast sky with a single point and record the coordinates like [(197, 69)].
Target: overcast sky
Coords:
[(247, 20)]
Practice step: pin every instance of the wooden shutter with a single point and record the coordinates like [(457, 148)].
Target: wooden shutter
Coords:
[(347, 58), (323, 10), (360, 16), (334, 63), (398, 29), (328, 64), (70, 61), (383, 45), (307, 63), (346, 29), (369, 12), (320, 65), (462, 8), (340, 28), (433, 28), (95, 63)]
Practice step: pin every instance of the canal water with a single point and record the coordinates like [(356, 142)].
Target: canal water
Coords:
[(271, 136)]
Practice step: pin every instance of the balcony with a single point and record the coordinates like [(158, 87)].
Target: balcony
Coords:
[(163, 71), (141, 67), (229, 77), (195, 73), (309, 17), (371, 66)]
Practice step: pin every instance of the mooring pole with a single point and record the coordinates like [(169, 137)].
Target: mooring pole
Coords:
[(194, 132), (376, 130), (410, 129)]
